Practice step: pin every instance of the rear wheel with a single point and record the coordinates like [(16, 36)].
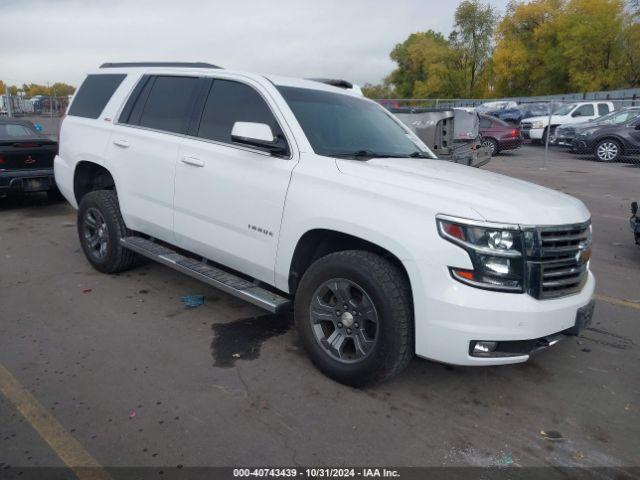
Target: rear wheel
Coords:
[(608, 150), (492, 145), (354, 315), (100, 228)]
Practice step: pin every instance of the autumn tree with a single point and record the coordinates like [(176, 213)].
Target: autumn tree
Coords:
[(471, 38)]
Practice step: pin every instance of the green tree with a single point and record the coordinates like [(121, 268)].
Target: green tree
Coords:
[(527, 58), (472, 39), (383, 90), (58, 89), (591, 40)]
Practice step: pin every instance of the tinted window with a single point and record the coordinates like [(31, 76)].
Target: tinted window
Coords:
[(229, 102), (168, 104), (11, 131), (603, 109), (344, 125), (485, 122), (585, 110), (93, 95)]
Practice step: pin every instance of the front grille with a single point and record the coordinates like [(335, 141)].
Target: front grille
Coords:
[(557, 258)]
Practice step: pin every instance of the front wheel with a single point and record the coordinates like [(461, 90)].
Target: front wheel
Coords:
[(354, 315), (608, 150)]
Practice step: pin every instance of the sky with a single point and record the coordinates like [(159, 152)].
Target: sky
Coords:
[(60, 40)]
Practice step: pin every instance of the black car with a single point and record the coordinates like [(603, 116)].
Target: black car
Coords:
[(609, 142), (564, 135), (26, 159)]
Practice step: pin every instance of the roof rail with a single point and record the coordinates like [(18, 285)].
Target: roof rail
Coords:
[(334, 82), (158, 64)]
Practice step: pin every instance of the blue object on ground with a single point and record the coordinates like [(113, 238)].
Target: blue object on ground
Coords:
[(192, 301)]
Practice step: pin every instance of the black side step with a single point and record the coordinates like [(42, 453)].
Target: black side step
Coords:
[(216, 277)]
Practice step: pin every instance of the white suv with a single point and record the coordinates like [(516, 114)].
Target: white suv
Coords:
[(294, 193), (537, 128)]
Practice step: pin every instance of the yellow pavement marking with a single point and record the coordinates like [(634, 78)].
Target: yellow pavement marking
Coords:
[(617, 301), (70, 451)]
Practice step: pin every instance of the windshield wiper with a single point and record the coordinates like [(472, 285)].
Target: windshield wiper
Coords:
[(419, 154), (361, 154)]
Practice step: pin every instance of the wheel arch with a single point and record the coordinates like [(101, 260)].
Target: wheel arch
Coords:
[(319, 242), (90, 176), (613, 137)]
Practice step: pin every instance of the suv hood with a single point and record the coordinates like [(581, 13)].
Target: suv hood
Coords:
[(451, 188)]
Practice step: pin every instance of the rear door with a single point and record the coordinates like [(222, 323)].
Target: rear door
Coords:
[(144, 149), (229, 197)]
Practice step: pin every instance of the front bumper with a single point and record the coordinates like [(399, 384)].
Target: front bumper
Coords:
[(449, 316), (12, 181), (581, 146), (562, 141), (535, 133)]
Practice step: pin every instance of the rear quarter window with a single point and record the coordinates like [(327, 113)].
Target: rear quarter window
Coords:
[(94, 94), (11, 131)]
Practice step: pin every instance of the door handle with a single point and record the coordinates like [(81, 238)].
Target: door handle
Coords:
[(122, 143), (193, 161)]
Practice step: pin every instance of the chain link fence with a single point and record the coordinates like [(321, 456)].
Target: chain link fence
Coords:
[(602, 127)]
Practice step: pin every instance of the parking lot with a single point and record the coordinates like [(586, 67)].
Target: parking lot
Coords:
[(117, 364)]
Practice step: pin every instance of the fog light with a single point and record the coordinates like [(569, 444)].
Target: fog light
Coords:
[(484, 348)]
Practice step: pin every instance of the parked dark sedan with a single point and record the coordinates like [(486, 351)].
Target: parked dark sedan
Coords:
[(26, 159), (609, 142), (498, 135), (564, 135)]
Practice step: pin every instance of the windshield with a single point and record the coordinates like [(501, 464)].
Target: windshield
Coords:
[(565, 110), (621, 117), (344, 125)]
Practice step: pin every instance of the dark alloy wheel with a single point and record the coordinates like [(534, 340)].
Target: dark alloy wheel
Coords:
[(344, 320), (100, 228), (95, 231), (354, 316)]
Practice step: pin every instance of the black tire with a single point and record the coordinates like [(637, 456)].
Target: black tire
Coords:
[(492, 145), (543, 140), (113, 258), (608, 150), (388, 290)]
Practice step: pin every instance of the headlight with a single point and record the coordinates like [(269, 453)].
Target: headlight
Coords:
[(495, 252), (587, 132), (538, 124)]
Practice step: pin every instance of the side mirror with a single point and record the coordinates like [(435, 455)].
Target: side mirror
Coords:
[(637, 126), (634, 208), (576, 114), (256, 135)]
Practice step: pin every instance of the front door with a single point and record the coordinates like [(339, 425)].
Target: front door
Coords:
[(229, 198)]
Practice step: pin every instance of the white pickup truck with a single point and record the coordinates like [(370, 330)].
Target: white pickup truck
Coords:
[(296, 194), (537, 128)]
